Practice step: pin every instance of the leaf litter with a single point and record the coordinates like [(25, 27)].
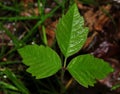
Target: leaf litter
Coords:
[(103, 40)]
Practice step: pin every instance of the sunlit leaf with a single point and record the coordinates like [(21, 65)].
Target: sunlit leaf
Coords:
[(85, 69), (71, 33), (42, 61)]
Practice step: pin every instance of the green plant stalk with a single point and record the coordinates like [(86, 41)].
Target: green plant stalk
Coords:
[(75, 66), (39, 23), (41, 7), (9, 63), (44, 35), (2, 47), (8, 86), (9, 52), (19, 18), (31, 31), (16, 82), (9, 8), (29, 18), (63, 70), (62, 75), (62, 4)]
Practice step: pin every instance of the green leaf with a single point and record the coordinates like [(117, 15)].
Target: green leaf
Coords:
[(85, 69), (71, 33), (42, 61)]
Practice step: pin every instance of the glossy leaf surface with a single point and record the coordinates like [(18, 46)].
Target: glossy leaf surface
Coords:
[(42, 61), (71, 33), (85, 69)]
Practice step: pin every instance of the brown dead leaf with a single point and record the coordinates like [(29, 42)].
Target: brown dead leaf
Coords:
[(1, 92), (103, 18), (96, 20), (50, 28), (89, 40), (29, 12), (26, 2)]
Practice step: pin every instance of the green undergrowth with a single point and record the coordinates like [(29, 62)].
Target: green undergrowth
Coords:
[(41, 61), (71, 35)]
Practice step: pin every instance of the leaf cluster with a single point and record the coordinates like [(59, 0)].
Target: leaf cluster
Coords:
[(71, 36)]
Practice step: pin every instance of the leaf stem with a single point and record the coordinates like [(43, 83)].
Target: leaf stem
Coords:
[(63, 70), (44, 35), (62, 75), (65, 61)]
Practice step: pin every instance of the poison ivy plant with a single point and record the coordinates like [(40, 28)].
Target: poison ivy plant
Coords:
[(71, 33), (86, 69), (71, 36), (43, 61)]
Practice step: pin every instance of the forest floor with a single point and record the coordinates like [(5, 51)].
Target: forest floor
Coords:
[(21, 21)]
